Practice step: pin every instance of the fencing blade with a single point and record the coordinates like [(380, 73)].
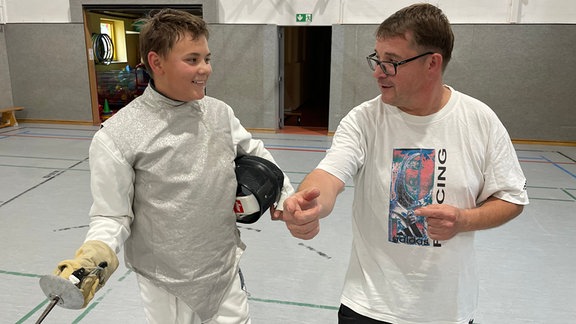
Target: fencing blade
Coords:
[(53, 303)]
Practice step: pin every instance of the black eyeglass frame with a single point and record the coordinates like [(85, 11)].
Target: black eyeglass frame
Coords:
[(372, 58)]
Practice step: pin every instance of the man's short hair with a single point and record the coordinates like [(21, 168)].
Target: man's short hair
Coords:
[(428, 26)]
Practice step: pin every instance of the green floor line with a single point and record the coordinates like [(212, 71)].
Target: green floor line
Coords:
[(569, 194), (273, 301), (91, 307), (547, 187), (34, 310), (551, 199), (20, 274), (128, 272)]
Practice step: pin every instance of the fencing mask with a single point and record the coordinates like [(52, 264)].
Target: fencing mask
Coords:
[(260, 183)]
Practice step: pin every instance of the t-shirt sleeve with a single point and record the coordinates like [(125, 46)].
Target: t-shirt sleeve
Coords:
[(504, 178), (347, 153)]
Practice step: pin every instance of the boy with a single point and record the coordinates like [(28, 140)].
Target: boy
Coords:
[(164, 185)]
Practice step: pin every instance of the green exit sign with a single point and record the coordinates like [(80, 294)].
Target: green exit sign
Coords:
[(304, 17)]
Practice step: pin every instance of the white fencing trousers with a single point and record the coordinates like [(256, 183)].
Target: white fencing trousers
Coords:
[(162, 307)]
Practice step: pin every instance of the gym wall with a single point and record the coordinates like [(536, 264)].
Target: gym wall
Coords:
[(525, 72), (5, 86)]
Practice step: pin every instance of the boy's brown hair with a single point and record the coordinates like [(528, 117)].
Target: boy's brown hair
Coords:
[(163, 28)]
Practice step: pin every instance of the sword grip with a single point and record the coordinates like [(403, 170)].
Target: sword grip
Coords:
[(78, 275)]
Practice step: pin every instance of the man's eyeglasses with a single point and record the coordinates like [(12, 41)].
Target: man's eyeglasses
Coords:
[(390, 68)]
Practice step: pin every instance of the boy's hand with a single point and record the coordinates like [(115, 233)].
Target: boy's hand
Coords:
[(88, 257)]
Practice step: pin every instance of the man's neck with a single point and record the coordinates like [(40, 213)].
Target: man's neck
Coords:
[(431, 104)]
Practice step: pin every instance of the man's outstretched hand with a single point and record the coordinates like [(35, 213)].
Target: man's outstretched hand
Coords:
[(302, 213)]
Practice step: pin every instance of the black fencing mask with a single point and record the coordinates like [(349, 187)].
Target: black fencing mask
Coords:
[(259, 186)]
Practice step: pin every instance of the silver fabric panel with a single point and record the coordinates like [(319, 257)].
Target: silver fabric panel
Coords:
[(184, 233)]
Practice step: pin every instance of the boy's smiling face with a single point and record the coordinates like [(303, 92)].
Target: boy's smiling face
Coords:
[(182, 74)]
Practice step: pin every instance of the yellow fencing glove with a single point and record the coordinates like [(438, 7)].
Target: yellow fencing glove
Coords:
[(89, 256)]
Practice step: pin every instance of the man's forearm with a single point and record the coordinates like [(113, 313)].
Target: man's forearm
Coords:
[(329, 187), (492, 213)]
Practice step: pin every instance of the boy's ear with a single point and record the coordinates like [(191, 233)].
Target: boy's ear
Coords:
[(155, 62)]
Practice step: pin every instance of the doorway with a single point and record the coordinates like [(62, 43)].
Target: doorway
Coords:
[(305, 91)]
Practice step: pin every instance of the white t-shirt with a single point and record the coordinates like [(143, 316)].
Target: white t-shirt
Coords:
[(459, 156)]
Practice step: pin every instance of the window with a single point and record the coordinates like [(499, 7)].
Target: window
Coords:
[(115, 29)]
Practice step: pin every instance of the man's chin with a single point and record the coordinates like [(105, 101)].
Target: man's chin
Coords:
[(387, 100)]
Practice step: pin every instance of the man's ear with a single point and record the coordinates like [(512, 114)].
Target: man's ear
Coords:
[(436, 61), (155, 62)]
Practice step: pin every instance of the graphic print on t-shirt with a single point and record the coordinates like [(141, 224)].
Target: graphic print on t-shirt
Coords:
[(411, 187)]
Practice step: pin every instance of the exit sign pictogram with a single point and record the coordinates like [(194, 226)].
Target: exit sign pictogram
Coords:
[(304, 17)]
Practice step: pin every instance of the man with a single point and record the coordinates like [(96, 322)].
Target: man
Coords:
[(430, 166)]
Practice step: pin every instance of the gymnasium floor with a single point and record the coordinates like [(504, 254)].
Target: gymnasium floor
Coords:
[(526, 266)]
